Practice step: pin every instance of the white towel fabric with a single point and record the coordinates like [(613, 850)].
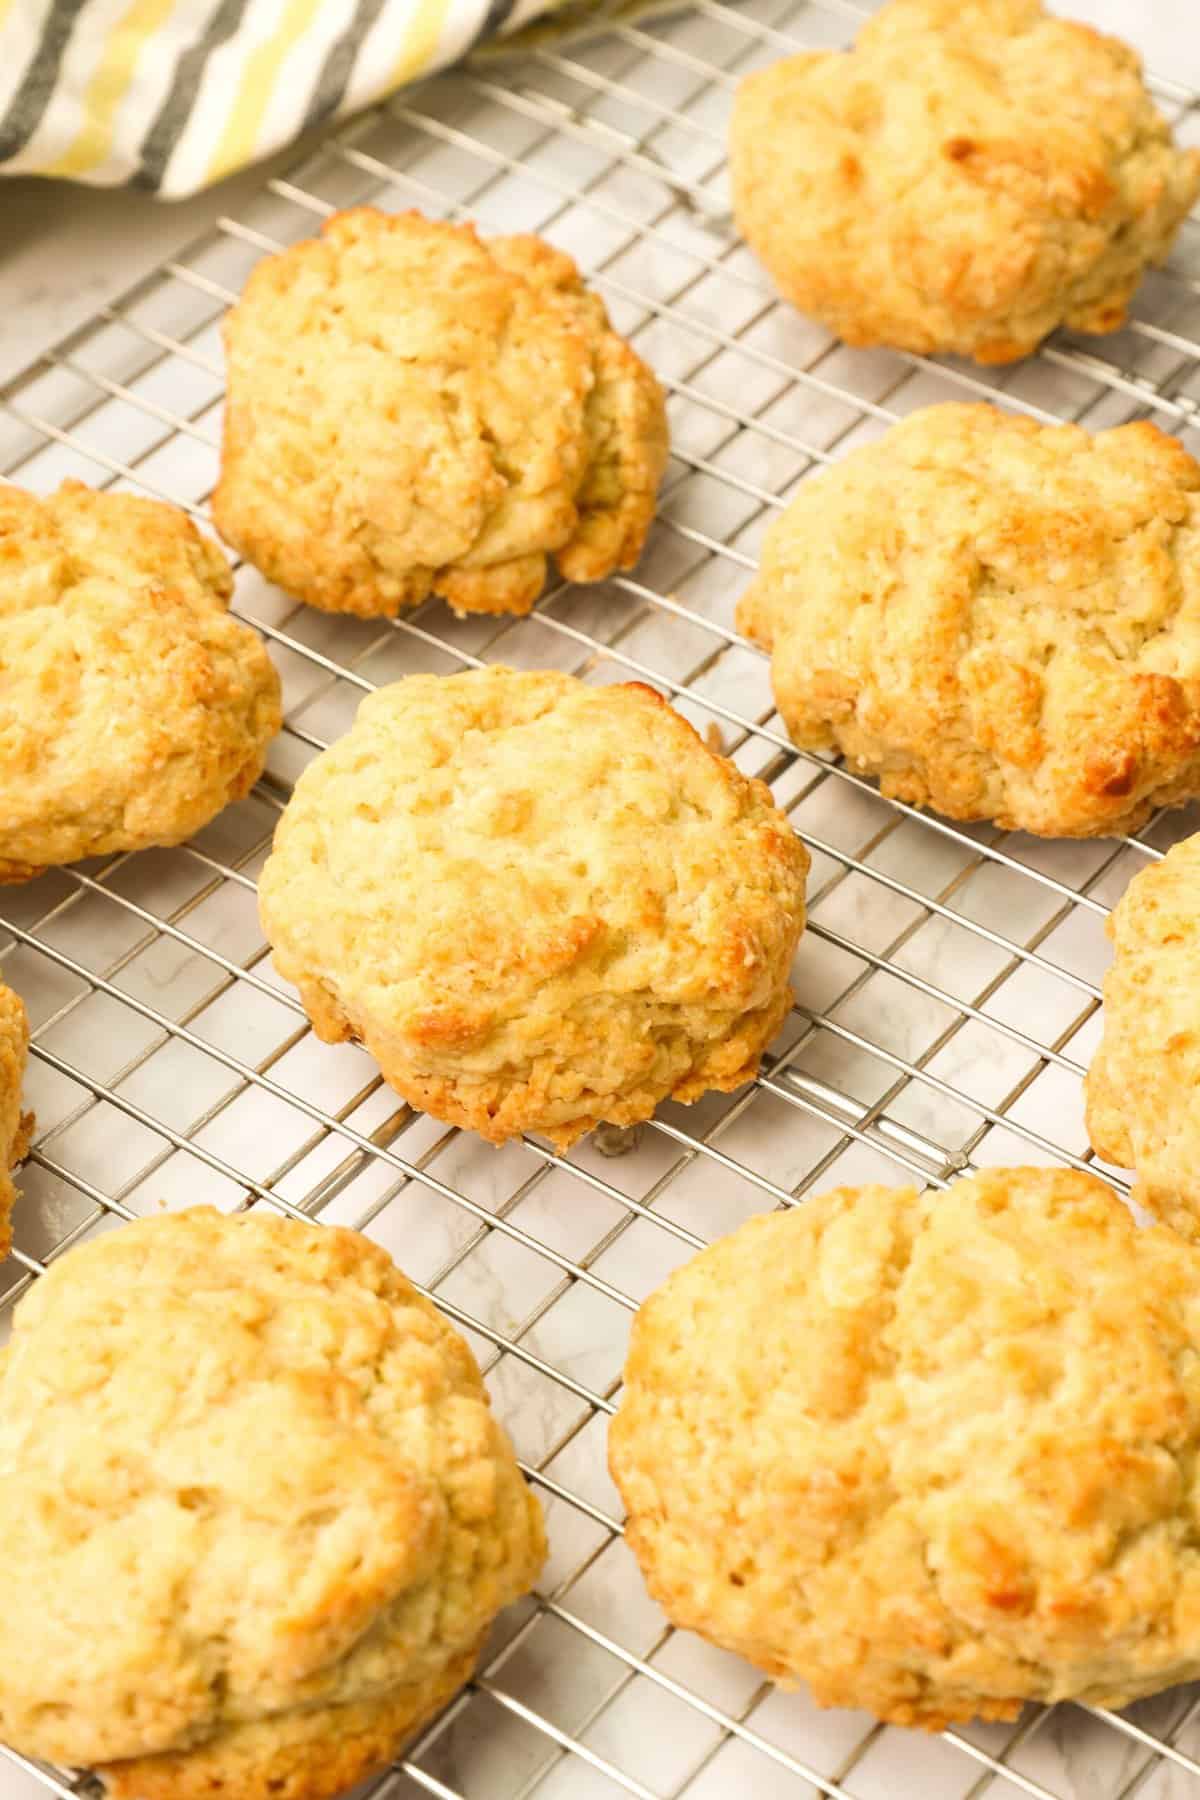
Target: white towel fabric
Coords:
[(171, 95)]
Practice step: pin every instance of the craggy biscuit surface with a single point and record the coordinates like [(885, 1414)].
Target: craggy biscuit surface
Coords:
[(255, 1511), (538, 904), (413, 410), (972, 174), (133, 707), (15, 1126), (1143, 1088), (999, 619), (933, 1454)]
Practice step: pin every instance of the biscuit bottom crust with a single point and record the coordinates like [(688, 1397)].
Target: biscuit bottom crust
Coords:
[(500, 1108), (933, 1454), (301, 1756), (1143, 1087)]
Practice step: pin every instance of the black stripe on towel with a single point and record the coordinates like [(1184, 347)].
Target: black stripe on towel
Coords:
[(498, 13), (158, 145), (27, 108), (339, 63)]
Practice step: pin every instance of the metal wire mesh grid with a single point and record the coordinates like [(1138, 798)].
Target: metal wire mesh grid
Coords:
[(948, 983)]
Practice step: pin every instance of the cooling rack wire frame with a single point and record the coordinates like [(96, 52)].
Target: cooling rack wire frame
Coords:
[(947, 985)]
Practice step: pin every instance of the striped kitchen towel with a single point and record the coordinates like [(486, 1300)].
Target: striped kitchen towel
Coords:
[(171, 95)]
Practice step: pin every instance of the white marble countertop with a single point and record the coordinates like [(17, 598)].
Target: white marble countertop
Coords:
[(66, 250)]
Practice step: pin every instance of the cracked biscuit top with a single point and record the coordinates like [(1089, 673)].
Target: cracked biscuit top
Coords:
[(412, 409), (971, 175), (255, 1511), (539, 904), (133, 706), (1000, 619), (934, 1454)]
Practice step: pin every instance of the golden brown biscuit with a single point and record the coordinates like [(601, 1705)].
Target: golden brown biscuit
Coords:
[(971, 175), (133, 707), (933, 1454), (1143, 1088), (412, 410), (15, 1126), (255, 1511), (999, 619), (538, 904)]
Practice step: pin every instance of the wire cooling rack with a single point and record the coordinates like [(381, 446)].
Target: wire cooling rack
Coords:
[(947, 985)]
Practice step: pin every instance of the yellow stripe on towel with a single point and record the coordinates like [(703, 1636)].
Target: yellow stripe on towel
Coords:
[(131, 34), (239, 140), (420, 42)]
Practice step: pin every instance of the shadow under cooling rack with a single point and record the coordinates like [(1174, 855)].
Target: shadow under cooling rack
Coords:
[(948, 985)]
